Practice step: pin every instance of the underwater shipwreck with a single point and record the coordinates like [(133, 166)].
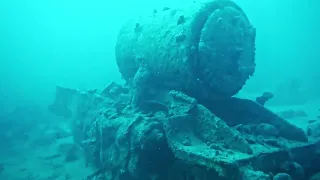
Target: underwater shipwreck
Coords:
[(176, 117)]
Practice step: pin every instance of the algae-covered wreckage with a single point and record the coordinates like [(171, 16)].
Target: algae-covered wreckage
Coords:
[(175, 118)]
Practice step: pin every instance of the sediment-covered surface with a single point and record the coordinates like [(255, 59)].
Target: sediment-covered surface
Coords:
[(205, 47), (173, 137)]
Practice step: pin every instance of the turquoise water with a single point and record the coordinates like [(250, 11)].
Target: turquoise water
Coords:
[(44, 43), (71, 43)]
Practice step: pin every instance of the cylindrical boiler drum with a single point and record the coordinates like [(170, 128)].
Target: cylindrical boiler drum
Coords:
[(205, 50)]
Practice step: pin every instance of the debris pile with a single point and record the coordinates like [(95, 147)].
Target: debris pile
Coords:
[(175, 137)]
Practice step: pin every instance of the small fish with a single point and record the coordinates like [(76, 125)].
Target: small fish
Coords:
[(165, 8), (312, 121)]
